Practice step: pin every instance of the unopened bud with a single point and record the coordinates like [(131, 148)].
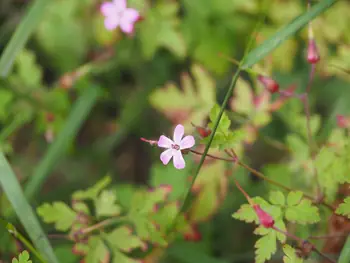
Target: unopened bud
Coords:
[(203, 132), (342, 121), (312, 52), (271, 85), (265, 219)]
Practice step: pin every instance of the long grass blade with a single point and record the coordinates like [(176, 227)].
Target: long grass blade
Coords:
[(21, 35), (24, 211)]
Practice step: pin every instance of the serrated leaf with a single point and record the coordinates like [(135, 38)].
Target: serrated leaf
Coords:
[(97, 250), (190, 104), (277, 198), (246, 213), (106, 204), (344, 208), (265, 247), (303, 213), (294, 198), (290, 255), (122, 239), (58, 213), (22, 258), (224, 123), (92, 192)]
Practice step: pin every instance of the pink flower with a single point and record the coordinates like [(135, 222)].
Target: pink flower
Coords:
[(175, 146), (117, 14)]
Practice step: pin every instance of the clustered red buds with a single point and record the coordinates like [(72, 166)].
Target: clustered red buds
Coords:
[(265, 219), (271, 85)]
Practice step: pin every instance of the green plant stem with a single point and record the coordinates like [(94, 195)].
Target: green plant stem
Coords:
[(102, 224), (303, 242)]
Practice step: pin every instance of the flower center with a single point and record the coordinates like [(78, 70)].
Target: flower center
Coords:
[(175, 147)]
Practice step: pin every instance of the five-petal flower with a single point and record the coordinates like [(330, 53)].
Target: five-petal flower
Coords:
[(117, 14), (175, 146)]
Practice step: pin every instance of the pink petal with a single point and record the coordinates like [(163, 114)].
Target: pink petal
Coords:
[(178, 160), (178, 133), (166, 156), (187, 142), (108, 9), (111, 22), (164, 142), (120, 5), (128, 20)]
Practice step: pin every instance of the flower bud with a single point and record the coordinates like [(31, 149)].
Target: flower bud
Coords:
[(271, 85), (265, 219), (312, 52), (203, 132), (342, 121)]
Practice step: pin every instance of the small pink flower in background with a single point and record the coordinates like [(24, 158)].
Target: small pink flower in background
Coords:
[(117, 14), (175, 146), (343, 121)]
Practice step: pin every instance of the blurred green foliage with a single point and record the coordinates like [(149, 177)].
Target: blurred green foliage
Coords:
[(171, 70)]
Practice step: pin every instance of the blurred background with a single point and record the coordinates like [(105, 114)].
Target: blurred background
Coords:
[(80, 97)]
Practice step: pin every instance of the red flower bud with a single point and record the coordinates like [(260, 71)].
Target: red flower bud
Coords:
[(271, 85), (203, 132), (193, 235), (342, 121), (265, 219), (312, 52)]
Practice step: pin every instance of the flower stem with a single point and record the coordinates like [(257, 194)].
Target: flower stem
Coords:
[(102, 224), (302, 242)]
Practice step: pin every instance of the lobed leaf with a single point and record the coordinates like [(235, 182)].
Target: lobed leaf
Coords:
[(58, 213), (344, 208)]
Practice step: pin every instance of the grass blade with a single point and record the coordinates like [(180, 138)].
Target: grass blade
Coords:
[(79, 113), (21, 35), (24, 211), (345, 253), (280, 36)]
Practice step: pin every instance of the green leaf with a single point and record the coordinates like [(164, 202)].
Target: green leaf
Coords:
[(345, 253), (24, 211), (27, 70), (106, 204), (79, 113), (277, 198), (290, 255), (265, 247), (190, 104), (97, 250), (22, 258), (280, 36), (122, 239), (6, 98), (301, 210), (92, 192), (224, 123), (21, 35), (59, 213), (344, 208), (246, 213), (160, 29), (294, 198)]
